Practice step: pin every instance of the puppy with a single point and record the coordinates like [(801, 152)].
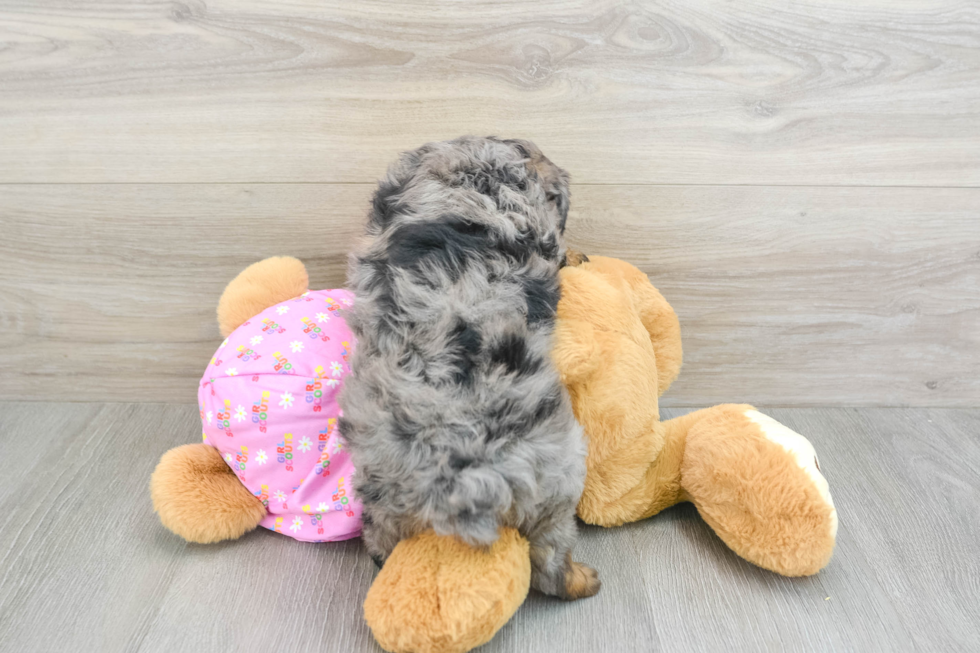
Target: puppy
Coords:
[(454, 414)]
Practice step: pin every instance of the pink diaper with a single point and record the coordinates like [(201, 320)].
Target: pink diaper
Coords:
[(268, 403)]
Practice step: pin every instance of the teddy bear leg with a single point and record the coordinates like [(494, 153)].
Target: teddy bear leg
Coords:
[(199, 498), (436, 594), (758, 484)]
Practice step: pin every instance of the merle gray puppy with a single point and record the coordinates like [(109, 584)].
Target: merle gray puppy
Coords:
[(454, 413)]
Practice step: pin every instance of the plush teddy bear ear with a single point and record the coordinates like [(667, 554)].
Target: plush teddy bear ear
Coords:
[(259, 286)]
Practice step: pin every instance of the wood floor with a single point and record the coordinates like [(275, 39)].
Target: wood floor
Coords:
[(87, 567)]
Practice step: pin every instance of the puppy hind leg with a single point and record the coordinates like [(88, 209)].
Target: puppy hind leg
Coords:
[(553, 571), (380, 537)]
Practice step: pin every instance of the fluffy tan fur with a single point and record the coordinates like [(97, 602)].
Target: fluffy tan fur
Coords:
[(438, 595), (616, 398), (258, 287), (755, 496), (618, 349), (199, 498)]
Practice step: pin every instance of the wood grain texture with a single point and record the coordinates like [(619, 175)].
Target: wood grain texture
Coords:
[(85, 565), (81, 563), (787, 296), (709, 91)]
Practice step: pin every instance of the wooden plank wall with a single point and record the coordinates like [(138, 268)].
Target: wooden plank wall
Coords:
[(801, 180)]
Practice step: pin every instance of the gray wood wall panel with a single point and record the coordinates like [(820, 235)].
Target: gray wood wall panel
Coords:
[(704, 91), (787, 295)]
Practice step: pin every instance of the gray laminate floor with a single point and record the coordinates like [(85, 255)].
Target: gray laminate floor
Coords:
[(87, 567)]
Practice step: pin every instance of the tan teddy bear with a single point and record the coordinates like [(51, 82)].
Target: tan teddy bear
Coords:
[(617, 345)]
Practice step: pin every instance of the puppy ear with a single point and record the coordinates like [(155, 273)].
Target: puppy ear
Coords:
[(575, 352), (574, 258)]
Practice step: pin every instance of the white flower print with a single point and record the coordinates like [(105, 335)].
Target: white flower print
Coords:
[(282, 310), (296, 346), (286, 399), (304, 444), (338, 445), (279, 495), (261, 458), (322, 507), (322, 317), (232, 371), (240, 413), (333, 383), (346, 302), (297, 524), (209, 415), (229, 458), (336, 368), (222, 345), (255, 340)]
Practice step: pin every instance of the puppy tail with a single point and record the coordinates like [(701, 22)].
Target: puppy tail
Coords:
[(472, 509)]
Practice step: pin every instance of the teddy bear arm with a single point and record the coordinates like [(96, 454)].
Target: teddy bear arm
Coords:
[(656, 315), (660, 321)]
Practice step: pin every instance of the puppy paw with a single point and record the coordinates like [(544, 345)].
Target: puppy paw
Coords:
[(581, 581)]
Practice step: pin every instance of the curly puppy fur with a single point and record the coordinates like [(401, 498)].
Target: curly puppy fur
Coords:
[(454, 413)]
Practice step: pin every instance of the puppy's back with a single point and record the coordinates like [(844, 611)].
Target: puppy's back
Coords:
[(454, 413)]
